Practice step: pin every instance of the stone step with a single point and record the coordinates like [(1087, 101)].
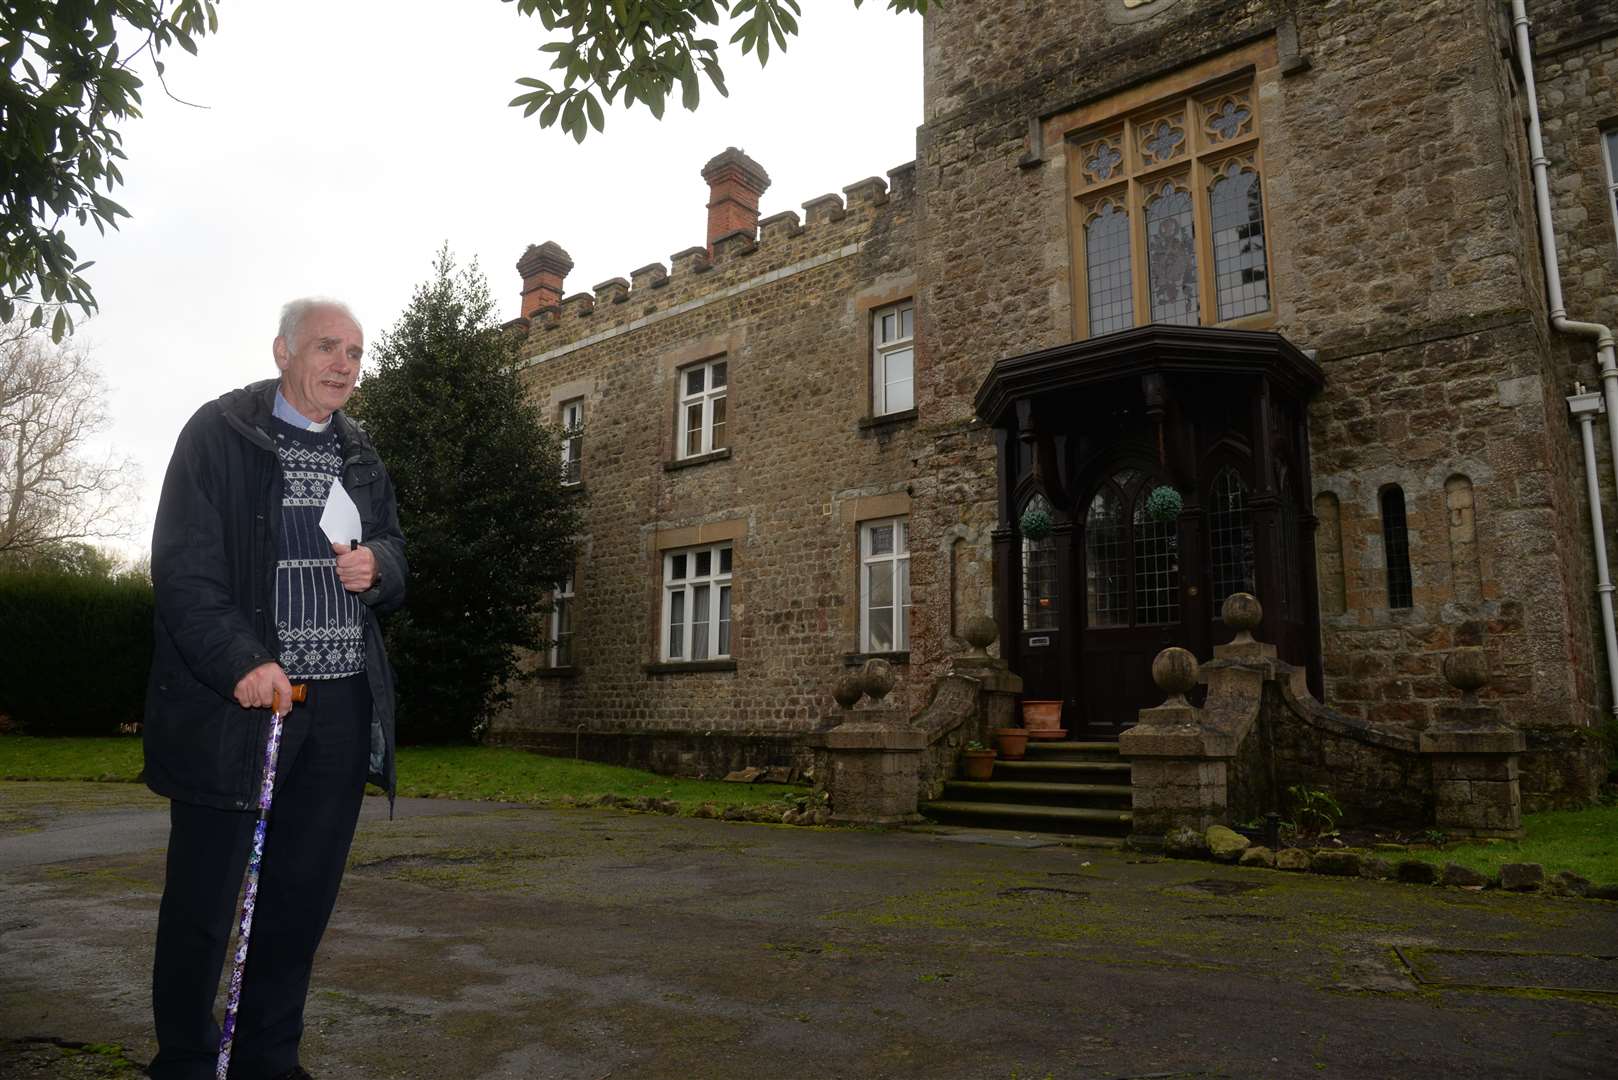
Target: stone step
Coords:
[(1062, 819), (1046, 793), (1105, 772), (1071, 750)]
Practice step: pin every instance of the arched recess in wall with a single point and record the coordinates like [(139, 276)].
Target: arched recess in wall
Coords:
[(971, 575), (1396, 547), (1466, 575), (1329, 554)]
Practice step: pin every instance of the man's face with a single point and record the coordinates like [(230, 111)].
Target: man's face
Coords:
[(319, 369)]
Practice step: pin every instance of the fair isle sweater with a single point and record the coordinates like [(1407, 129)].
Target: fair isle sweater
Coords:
[(321, 625)]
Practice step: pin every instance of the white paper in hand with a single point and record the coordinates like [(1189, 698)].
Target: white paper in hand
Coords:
[(340, 521)]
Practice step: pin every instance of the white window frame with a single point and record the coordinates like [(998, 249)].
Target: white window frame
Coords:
[(561, 623), (705, 401), (683, 588), (896, 562), (572, 442), (893, 332), (1609, 155)]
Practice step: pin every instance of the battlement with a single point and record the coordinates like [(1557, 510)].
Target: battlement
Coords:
[(741, 247)]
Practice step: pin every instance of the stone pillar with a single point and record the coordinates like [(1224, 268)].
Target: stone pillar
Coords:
[(1178, 770), (1474, 757), (543, 268), (871, 761), (998, 686)]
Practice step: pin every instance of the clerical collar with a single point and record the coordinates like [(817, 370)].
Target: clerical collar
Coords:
[(287, 414)]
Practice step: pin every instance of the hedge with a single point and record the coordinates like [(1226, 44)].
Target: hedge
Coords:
[(74, 651)]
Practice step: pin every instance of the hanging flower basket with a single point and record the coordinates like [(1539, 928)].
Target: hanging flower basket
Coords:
[(1035, 524), (1164, 504)]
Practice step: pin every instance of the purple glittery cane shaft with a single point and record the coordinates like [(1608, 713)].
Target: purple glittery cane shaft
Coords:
[(272, 750)]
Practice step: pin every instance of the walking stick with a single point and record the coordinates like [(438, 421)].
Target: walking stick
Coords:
[(272, 749)]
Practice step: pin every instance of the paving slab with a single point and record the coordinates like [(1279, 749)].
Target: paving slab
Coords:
[(480, 941)]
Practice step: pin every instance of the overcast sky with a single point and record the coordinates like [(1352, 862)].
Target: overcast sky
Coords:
[(342, 143)]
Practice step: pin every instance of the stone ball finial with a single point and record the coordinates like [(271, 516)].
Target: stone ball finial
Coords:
[(1174, 670), (877, 678), (849, 689), (980, 632), (1467, 669), (1242, 613)]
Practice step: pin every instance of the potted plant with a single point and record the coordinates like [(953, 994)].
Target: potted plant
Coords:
[(977, 761), (1042, 718), (1011, 743)]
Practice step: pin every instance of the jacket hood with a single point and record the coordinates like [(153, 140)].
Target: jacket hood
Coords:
[(250, 408)]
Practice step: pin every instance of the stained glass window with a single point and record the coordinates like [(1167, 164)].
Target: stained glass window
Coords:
[(1231, 535), (1171, 254), (1168, 214), (1106, 241), (1240, 275), (1396, 548)]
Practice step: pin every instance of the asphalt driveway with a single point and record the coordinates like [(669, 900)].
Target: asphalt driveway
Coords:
[(474, 940)]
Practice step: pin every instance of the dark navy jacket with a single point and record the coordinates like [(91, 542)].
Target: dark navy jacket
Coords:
[(213, 568)]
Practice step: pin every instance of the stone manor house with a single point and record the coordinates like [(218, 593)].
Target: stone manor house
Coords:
[(1283, 258)]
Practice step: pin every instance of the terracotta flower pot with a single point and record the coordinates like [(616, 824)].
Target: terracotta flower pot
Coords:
[(1011, 742), (977, 764), (1043, 719)]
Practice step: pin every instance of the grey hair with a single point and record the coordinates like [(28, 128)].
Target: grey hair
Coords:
[(293, 314)]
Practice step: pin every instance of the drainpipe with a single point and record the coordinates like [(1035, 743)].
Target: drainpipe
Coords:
[(1585, 406), (1605, 353)]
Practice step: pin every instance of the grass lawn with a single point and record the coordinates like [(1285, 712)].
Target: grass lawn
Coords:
[(458, 772), (1583, 841)]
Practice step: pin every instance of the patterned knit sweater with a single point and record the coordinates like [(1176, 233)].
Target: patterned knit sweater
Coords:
[(322, 626)]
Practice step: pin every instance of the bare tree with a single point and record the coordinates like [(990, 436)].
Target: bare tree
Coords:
[(52, 401)]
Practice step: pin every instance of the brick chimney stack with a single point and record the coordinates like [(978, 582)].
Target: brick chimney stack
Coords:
[(543, 269), (735, 181)]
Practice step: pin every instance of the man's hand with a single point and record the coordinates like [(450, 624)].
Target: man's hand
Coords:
[(257, 687), (356, 568)]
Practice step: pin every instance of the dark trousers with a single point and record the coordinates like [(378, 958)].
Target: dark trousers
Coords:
[(320, 782)]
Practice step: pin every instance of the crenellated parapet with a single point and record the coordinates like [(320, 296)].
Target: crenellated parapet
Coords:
[(756, 251)]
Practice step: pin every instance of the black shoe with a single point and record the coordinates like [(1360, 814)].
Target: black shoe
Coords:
[(297, 1072)]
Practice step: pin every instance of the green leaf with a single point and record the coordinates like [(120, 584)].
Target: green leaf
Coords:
[(597, 120)]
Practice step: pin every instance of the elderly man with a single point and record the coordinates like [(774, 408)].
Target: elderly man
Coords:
[(251, 597)]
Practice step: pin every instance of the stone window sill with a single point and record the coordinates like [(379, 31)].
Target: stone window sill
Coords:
[(892, 419), (567, 672), (855, 659), (701, 459), (683, 667)]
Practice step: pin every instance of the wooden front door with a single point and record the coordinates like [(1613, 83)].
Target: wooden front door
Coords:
[(1131, 604)]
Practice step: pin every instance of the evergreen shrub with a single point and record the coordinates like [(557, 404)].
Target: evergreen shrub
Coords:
[(74, 651)]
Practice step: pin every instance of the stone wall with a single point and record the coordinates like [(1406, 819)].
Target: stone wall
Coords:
[(1400, 227), (789, 312)]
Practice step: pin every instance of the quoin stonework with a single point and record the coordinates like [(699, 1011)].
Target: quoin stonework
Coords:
[(1179, 299)]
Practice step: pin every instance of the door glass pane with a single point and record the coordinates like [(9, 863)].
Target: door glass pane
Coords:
[(699, 622), (1040, 609), (1106, 570), (1157, 567), (1231, 537)]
